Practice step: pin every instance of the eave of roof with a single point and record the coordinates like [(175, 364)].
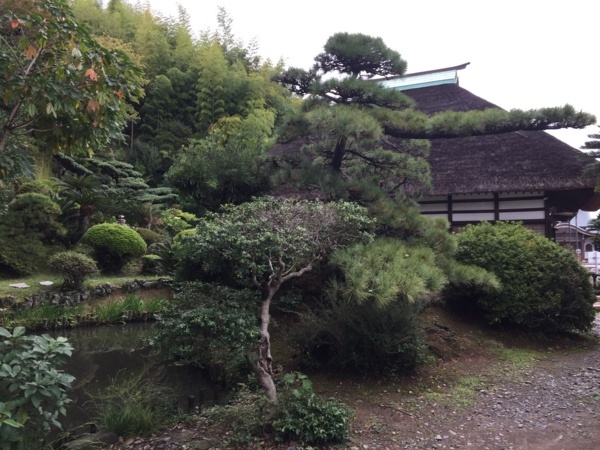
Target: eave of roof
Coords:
[(447, 75)]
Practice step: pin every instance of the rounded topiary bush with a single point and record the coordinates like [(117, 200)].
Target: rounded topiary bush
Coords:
[(73, 267), (151, 265), (35, 215), (150, 237), (543, 286), (114, 245)]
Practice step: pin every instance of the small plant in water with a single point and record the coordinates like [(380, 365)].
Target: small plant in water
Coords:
[(131, 406), (109, 312)]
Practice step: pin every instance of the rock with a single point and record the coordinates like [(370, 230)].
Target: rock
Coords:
[(93, 441), (8, 301)]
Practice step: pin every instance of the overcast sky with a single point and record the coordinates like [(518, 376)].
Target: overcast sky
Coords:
[(524, 54)]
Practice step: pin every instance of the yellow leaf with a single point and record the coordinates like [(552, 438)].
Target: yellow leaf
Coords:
[(30, 52)]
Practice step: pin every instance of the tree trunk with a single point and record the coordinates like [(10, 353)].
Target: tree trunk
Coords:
[(338, 154), (263, 366), (262, 361), (4, 141)]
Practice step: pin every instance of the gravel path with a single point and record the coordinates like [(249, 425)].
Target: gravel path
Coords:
[(555, 406)]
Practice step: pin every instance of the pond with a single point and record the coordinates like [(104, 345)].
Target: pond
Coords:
[(105, 353)]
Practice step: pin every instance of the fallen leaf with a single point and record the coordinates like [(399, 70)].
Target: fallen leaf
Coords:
[(15, 23)]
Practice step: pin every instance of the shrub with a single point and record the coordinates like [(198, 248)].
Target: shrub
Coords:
[(28, 223), (307, 417), (150, 237), (370, 323), (114, 245), (176, 221), (209, 326), (151, 265), (34, 389), (34, 215), (26, 185), (543, 286), (361, 337), (166, 262), (73, 267), (19, 255)]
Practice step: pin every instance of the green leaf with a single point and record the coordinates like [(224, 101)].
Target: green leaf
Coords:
[(23, 43), (18, 332), (36, 400), (31, 109), (12, 423), (50, 110)]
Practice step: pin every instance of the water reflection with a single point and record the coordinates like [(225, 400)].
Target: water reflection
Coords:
[(104, 353)]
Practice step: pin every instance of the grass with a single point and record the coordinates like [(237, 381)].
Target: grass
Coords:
[(457, 397), (131, 406), (48, 314), (132, 308), (34, 282), (520, 358)]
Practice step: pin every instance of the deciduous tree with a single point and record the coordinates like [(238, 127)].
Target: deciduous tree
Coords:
[(58, 83)]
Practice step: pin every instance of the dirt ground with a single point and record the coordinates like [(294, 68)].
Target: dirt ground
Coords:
[(483, 390)]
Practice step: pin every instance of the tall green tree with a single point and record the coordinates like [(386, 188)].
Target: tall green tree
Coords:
[(352, 125), (211, 85), (58, 84), (151, 42)]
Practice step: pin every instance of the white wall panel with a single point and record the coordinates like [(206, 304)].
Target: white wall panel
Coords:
[(472, 217), (522, 215)]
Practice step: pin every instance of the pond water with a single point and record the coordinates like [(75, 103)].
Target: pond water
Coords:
[(105, 353)]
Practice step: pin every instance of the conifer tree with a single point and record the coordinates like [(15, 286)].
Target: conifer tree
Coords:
[(353, 127)]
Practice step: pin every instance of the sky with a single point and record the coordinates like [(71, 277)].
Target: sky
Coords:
[(524, 54)]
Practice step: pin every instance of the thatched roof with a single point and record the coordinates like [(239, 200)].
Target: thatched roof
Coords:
[(516, 161)]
